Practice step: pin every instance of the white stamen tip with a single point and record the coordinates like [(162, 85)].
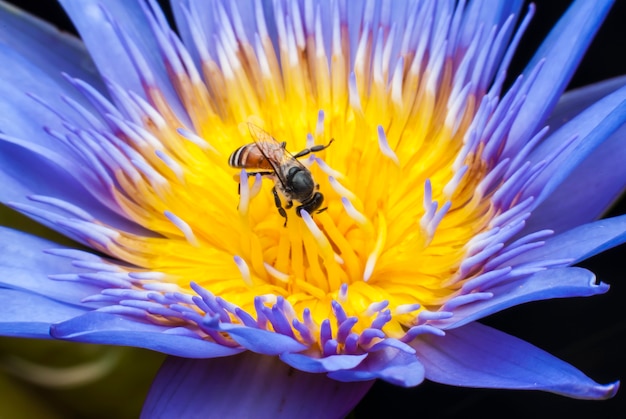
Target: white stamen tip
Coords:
[(313, 228), (196, 139), (376, 307), (384, 146), (407, 308), (453, 184), (353, 212), (369, 267), (319, 128), (320, 238), (161, 287), (268, 298), (183, 227), (281, 276), (256, 186), (244, 192), (343, 293), (378, 248), (172, 164), (244, 269), (340, 189), (327, 169)]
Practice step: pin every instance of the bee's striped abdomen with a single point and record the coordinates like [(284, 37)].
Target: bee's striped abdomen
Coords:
[(238, 157), (249, 156)]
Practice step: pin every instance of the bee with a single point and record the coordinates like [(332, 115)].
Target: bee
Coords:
[(292, 179)]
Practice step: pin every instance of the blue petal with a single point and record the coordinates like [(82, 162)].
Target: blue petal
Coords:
[(29, 169), (562, 51), (587, 192), (246, 386), (48, 48), (327, 364), (20, 114), (23, 314), (389, 364), (552, 283), (200, 11), (108, 51), (575, 101), (25, 266), (111, 329), (579, 243), (262, 341), (589, 129), (479, 356)]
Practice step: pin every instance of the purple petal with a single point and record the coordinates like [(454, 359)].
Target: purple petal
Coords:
[(244, 386), (25, 266), (573, 102), (579, 243), (389, 364), (589, 129), (562, 51), (479, 356), (28, 169), (48, 48), (108, 51), (20, 114), (588, 191), (327, 364), (262, 341), (552, 283), (111, 329), (23, 314)]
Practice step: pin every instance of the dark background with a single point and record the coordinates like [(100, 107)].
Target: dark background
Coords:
[(590, 333)]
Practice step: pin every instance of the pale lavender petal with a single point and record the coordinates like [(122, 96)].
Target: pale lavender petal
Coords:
[(48, 173), (576, 30), (479, 356), (589, 190), (20, 114), (327, 364), (589, 129), (579, 243), (552, 283), (48, 48), (25, 266), (112, 329), (247, 385), (390, 364), (262, 341), (92, 19), (573, 102), (28, 315)]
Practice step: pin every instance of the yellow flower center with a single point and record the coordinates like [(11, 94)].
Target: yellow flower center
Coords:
[(401, 187)]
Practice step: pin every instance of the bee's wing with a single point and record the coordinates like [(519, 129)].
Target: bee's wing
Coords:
[(273, 151)]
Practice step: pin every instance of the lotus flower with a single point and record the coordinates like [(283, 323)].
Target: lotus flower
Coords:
[(387, 193)]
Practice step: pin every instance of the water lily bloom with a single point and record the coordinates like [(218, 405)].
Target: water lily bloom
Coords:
[(387, 193)]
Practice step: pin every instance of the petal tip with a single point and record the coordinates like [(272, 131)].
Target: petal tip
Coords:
[(610, 390)]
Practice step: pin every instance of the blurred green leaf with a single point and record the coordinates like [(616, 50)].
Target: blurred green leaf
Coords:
[(73, 380)]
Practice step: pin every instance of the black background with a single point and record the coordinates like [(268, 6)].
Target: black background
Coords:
[(590, 333)]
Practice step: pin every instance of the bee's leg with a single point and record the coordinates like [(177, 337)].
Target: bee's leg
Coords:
[(289, 204), (279, 205), (249, 174), (314, 149)]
